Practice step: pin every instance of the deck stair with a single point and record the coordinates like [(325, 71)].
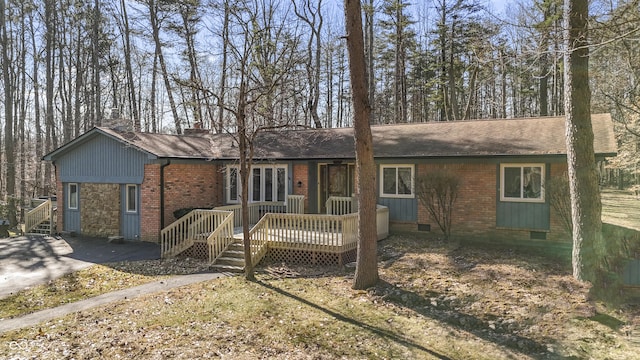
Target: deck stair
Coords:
[(44, 228), (41, 219), (231, 260)]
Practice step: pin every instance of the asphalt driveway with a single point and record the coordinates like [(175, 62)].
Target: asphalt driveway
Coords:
[(30, 260)]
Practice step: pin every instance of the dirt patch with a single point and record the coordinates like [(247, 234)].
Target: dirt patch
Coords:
[(433, 301)]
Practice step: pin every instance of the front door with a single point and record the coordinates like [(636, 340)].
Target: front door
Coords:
[(336, 179), (130, 212)]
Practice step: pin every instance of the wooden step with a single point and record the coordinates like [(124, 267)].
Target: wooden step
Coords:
[(233, 261), (226, 268)]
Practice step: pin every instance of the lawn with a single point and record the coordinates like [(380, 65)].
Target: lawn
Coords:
[(621, 208), (434, 300)]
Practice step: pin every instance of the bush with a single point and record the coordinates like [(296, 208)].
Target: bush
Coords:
[(438, 192), (557, 189)]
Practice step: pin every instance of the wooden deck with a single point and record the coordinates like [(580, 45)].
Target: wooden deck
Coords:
[(290, 237)]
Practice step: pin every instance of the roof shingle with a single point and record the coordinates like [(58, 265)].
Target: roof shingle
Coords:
[(476, 138)]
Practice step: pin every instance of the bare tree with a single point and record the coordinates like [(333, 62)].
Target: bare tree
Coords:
[(252, 88), (8, 120), (131, 86), (366, 263), (155, 21), (313, 18)]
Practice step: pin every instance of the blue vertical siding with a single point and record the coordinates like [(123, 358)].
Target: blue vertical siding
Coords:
[(103, 160), (522, 215), (313, 187), (631, 273), (129, 221), (71, 216), (401, 209)]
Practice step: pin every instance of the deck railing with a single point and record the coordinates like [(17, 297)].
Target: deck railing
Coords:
[(295, 204), (339, 205), (38, 215), (221, 237), (256, 211), (259, 239), (197, 225), (329, 233), (305, 232)]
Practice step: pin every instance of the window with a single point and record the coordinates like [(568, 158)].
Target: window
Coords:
[(396, 181), (233, 192), (266, 183), (522, 182), (132, 198), (72, 198)]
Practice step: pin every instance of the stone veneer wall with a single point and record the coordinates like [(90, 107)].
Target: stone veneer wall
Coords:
[(100, 209)]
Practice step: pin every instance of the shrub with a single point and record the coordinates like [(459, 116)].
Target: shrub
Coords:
[(438, 192), (557, 189)]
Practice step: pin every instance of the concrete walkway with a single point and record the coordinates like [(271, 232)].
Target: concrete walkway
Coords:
[(150, 288)]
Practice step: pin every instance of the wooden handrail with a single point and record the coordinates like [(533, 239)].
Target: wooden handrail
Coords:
[(181, 234), (256, 211), (38, 215), (339, 205), (295, 204), (221, 237), (305, 232)]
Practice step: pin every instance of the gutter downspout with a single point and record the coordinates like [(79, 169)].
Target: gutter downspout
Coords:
[(167, 163)]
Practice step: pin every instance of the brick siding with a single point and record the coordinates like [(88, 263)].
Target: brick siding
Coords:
[(301, 174), (190, 186), (474, 212), (150, 204)]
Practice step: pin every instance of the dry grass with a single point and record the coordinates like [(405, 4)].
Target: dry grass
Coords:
[(433, 301), (621, 208), (93, 281)]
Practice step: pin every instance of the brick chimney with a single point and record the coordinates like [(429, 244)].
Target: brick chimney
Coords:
[(196, 129)]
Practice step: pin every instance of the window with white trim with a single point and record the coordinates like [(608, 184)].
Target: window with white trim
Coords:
[(131, 198), (522, 182), (397, 181), (266, 183), (72, 196)]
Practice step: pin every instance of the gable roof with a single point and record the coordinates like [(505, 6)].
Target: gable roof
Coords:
[(476, 138)]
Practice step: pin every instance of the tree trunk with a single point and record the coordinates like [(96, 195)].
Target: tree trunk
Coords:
[(370, 50), (95, 63), (36, 101), (223, 71), (23, 111), (50, 64), (155, 29), (8, 123), (583, 179), (366, 263), (128, 68)]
